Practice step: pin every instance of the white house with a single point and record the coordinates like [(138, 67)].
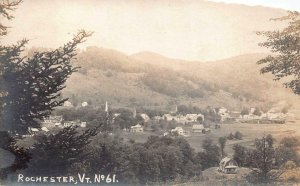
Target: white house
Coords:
[(228, 166), (136, 128), (189, 118), (83, 124), (33, 130), (224, 113), (52, 121), (179, 130), (145, 117), (45, 129), (68, 104), (194, 117), (75, 123), (70, 123), (197, 128), (84, 104), (157, 118)]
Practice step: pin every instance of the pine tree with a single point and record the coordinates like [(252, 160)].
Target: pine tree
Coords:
[(31, 85)]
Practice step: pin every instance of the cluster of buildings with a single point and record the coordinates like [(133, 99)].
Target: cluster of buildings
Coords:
[(272, 116), (69, 104), (57, 121), (179, 118)]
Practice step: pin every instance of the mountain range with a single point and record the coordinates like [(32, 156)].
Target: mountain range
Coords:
[(152, 80)]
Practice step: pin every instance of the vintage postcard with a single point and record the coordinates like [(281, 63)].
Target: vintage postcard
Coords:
[(149, 92)]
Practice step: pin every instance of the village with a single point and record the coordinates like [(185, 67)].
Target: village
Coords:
[(183, 124), (236, 126)]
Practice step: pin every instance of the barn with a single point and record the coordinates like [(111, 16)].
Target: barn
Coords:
[(228, 166)]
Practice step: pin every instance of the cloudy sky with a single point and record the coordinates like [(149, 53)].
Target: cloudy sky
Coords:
[(187, 29), (284, 4)]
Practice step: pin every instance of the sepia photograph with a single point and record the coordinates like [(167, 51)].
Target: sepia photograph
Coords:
[(150, 92)]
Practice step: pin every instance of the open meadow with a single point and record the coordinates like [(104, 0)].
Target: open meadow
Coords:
[(249, 131)]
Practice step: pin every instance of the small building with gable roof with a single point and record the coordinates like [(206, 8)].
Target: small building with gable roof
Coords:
[(228, 166)]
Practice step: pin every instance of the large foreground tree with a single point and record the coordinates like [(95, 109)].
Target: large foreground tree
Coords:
[(285, 45), (29, 88), (31, 85)]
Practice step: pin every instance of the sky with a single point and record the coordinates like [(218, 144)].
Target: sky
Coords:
[(198, 30), (284, 4)]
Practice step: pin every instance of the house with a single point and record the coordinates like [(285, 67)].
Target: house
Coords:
[(157, 118), (189, 118), (275, 115), (136, 128), (83, 124), (145, 117), (45, 129), (69, 123), (234, 115), (74, 123), (115, 115), (179, 130), (84, 104), (228, 166), (33, 130), (68, 104), (197, 128), (194, 117), (52, 121), (252, 110), (169, 117), (223, 112)]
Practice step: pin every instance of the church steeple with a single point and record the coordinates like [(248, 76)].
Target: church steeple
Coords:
[(134, 113), (106, 107)]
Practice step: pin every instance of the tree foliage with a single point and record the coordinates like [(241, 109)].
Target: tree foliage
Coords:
[(55, 153), (265, 160), (158, 160), (211, 154), (31, 85), (6, 7), (222, 142), (285, 44), (22, 155)]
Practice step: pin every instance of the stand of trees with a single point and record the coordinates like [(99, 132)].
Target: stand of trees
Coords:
[(266, 160), (285, 46), (158, 160)]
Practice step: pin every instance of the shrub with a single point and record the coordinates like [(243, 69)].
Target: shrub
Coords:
[(238, 135)]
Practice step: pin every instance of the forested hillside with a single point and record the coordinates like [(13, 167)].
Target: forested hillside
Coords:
[(142, 80)]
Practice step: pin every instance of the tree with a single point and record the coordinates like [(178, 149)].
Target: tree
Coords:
[(257, 112), (287, 151), (32, 84), (7, 142), (238, 135), (55, 153), (5, 8), (210, 157), (245, 111), (285, 110), (22, 155), (200, 120), (285, 46), (222, 142), (241, 155), (263, 160)]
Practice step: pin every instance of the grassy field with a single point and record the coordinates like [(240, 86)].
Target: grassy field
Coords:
[(249, 131)]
